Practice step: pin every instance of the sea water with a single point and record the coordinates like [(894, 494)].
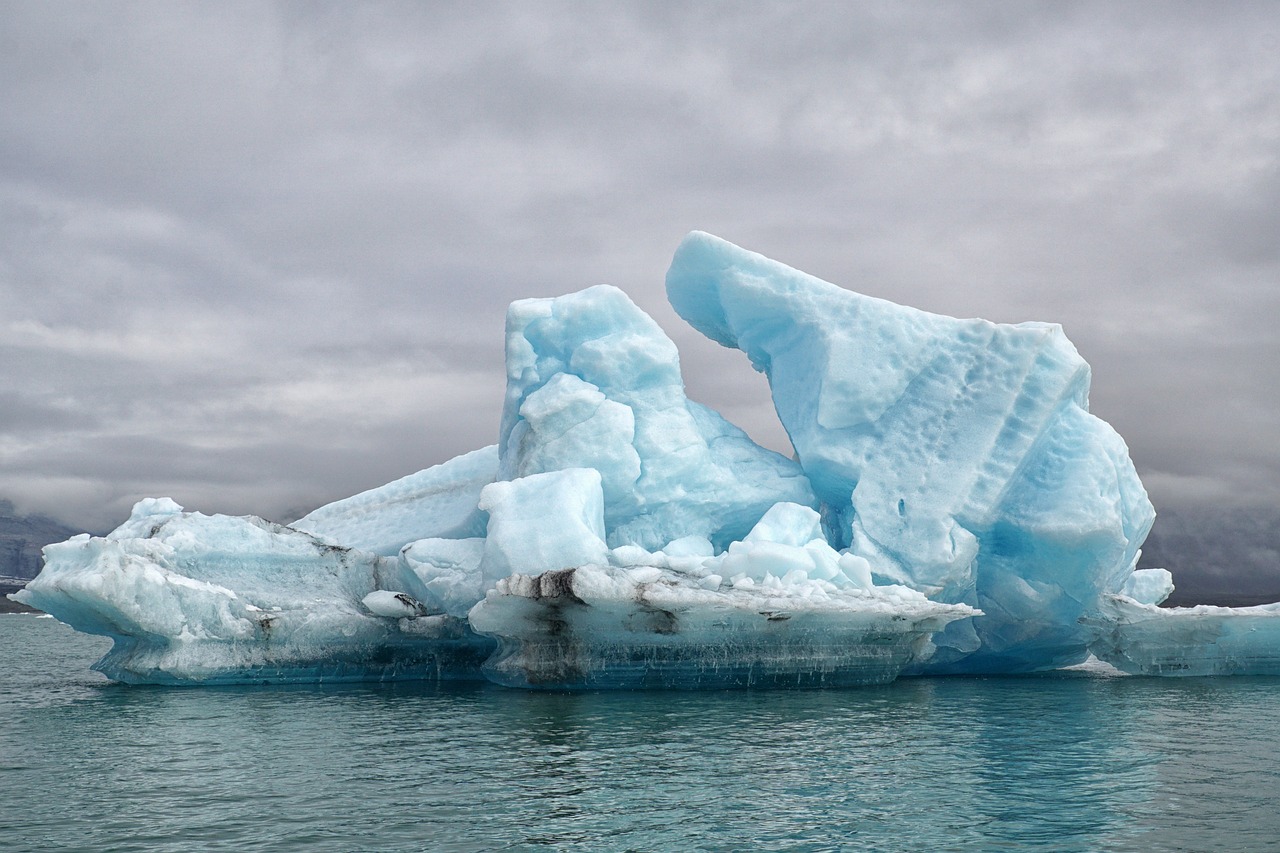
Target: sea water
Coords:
[(1073, 762)]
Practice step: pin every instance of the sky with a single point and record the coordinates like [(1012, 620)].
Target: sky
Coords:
[(257, 256)]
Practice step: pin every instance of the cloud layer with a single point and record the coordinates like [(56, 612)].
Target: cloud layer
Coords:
[(257, 256)]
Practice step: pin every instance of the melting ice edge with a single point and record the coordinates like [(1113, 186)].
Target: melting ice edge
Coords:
[(952, 507)]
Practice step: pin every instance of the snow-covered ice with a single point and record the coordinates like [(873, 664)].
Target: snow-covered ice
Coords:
[(439, 502), (951, 507), (1143, 639)]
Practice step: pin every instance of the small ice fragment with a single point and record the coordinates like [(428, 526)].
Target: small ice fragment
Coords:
[(644, 574), (396, 605), (689, 546), (1149, 586), (630, 555)]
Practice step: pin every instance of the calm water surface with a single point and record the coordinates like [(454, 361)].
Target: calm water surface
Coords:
[(1066, 763)]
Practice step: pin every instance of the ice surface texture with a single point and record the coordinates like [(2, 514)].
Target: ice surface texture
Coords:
[(1144, 639), (208, 599), (956, 456), (648, 627), (592, 382), (439, 501), (952, 507)]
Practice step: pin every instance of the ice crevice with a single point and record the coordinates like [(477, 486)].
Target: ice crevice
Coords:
[(951, 507)]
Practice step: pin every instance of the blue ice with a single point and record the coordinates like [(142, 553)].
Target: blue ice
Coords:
[(951, 507)]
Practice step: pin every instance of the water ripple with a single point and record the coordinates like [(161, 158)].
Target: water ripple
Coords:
[(1062, 764)]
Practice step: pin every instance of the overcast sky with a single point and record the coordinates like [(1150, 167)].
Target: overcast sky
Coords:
[(257, 256)]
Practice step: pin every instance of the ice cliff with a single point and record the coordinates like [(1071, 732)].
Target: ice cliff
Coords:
[(952, 507)]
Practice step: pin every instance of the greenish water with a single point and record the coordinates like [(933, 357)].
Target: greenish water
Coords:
[(1065, 763)]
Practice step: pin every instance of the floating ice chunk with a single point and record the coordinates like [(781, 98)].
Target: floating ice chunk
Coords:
[(437, 502), (592, 382), (543, 522), (1149, 586), (955, 456), (953, 508), (220, 599), (614, 629)]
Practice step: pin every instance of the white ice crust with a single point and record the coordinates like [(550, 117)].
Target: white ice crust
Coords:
[(437, 502), (952, 507)]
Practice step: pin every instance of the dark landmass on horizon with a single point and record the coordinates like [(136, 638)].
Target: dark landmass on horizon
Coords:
[(7, 605), (22, 537), (1229, 556)]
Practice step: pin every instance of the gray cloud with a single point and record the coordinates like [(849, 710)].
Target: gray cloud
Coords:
[(258, 255)]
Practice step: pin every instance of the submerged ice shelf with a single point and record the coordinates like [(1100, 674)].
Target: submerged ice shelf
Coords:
[(952, 507)]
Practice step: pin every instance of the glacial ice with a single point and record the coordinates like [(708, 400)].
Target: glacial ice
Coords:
[(439, 502), (567, 529), (592, 382), (449, 570), (1148, 586), (952, 507), (594, 627), (211, 599), (955, 456), (1144, 639)]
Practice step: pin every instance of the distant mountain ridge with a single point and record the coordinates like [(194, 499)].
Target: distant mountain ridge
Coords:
[(22, 537)]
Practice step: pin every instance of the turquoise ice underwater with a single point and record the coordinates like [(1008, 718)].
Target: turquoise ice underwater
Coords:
[(1063, 762), (952, 507)]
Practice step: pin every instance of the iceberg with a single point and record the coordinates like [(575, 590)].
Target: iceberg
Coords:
[(951, 507)]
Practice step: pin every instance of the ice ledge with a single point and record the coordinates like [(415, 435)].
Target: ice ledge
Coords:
[(1143, 639), (594, 627)]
